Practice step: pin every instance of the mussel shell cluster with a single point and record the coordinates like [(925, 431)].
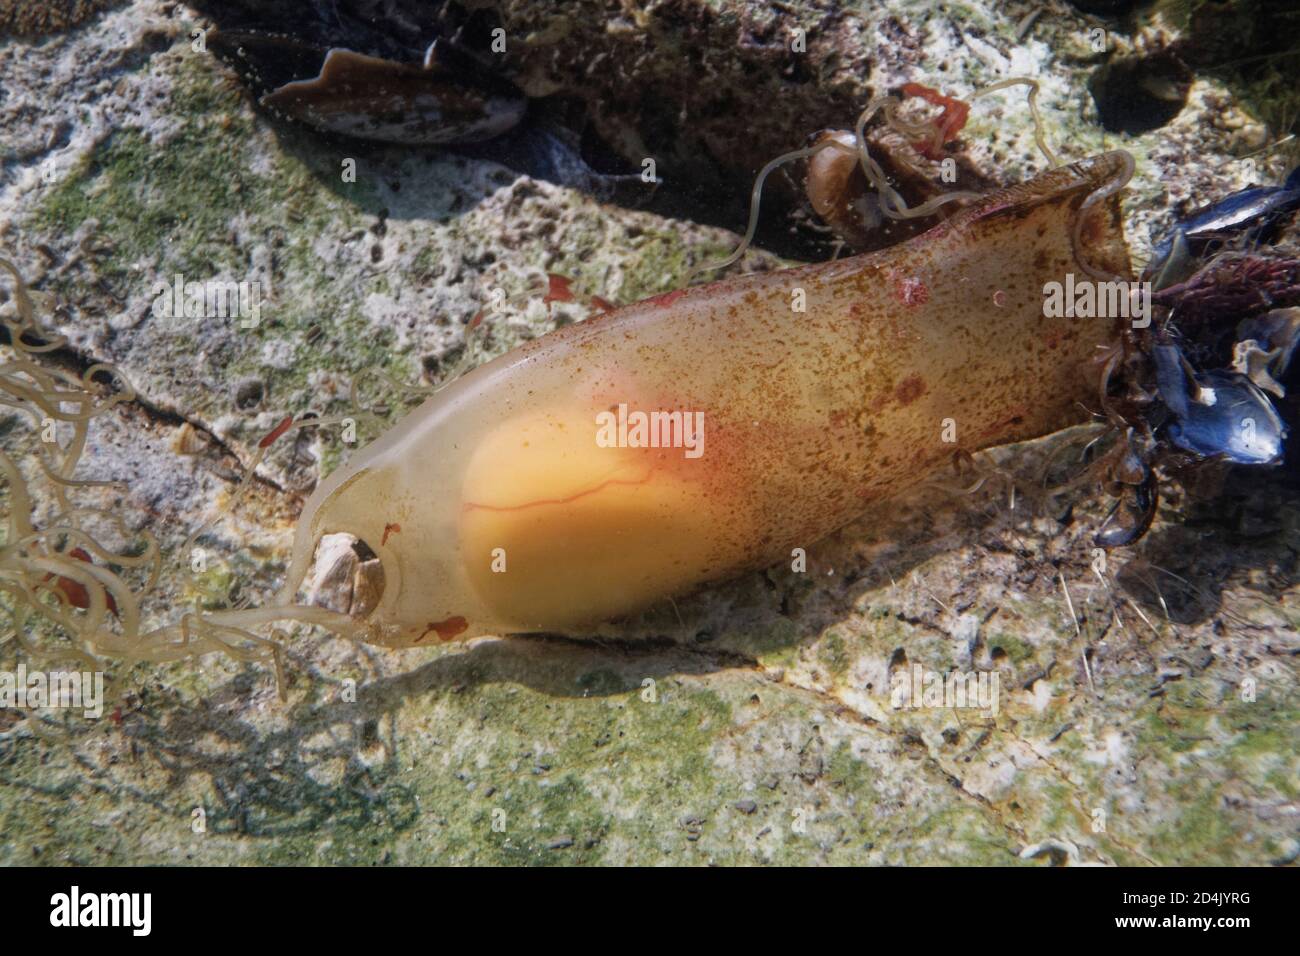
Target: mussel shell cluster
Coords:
[(1232, 307)]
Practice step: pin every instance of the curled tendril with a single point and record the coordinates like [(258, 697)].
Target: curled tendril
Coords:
[(57, 574), (892, 203), (1040, 136), (755, 197), (1103, 192)]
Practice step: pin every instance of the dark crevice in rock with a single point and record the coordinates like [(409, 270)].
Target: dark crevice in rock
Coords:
[(710, 94), (1137, 94)]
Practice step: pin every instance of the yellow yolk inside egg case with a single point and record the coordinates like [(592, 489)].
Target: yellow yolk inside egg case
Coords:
[(554, 507)]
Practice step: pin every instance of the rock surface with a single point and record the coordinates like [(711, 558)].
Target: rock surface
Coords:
[(1147, 711)]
